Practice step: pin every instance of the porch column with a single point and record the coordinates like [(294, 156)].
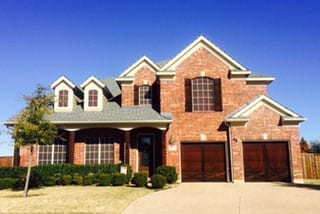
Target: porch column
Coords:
[(71, 140), (164, 147), (126, 147)]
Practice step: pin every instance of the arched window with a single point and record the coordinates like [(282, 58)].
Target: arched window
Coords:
[(203, 94), (93, 98), (145, 95), (63, 98)]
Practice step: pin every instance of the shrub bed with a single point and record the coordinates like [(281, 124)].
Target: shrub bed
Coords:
[(158, 181), (169, 172), (104, 179), (119, 179), (7, 183), (140, 179)]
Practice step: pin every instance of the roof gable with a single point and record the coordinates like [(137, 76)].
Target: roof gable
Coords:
[(60, 80), (201, 41), (92, 79), (242, 115), (143, 61)]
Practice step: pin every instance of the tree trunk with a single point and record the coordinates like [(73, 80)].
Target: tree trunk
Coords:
[(26, 186)]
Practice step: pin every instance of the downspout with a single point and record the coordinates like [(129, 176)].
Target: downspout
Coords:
[(230, 151)]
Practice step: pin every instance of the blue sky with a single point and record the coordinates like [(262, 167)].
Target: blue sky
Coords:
[(42, 40)]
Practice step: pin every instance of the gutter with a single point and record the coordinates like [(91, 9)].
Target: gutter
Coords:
[(230, 152)]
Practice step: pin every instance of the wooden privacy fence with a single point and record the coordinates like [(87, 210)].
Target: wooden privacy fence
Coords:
[(311, 165), (6, 161)]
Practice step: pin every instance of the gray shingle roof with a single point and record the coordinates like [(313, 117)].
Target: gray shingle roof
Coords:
[(112, 86), (112, 112), (162, 63)]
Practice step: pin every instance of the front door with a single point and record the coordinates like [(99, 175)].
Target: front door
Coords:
[(145, 146)]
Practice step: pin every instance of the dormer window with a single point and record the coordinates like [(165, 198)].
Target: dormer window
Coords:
[(93, 98), (93, 94), (145, 95), (64, 95), (63, 98)]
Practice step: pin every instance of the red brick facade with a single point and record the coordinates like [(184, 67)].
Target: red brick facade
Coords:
[(264, 122)]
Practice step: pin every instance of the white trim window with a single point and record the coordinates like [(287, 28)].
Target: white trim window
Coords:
[(99, 151), (52, 154), (63, 98), (145, 95)]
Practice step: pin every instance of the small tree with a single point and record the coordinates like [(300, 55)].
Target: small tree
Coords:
[(315, 146), (32, 127)]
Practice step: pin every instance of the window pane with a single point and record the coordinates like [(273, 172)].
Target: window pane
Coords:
[(93, 98), (63, 98), (202, 94), (145, 95)]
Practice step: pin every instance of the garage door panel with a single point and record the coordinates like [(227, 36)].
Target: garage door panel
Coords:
[(266, 161), (203, 162)]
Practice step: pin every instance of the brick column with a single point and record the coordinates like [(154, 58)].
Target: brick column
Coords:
[(164, 147)]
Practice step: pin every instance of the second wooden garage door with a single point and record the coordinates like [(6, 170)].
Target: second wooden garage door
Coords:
[(266, 161), (203, 162)]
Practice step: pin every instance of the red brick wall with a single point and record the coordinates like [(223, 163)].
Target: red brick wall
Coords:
[(79, 153), (265, 123), (188, 126), (25, 154), (145, 76)]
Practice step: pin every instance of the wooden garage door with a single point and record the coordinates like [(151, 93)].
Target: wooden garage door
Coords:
[(266, 161), (203, 162)]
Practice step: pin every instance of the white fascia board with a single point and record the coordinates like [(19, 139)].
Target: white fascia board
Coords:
[(137, 63), (127, 80), (166, 74), (111, 122), (62, 79), (260, 79), (205, 41), (238, 119), (297, 119), (93, 79), (239, 73)]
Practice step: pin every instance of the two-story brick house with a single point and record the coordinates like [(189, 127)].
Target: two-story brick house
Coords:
[(201, 111)]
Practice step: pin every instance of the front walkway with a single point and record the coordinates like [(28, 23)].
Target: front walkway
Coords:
[(230, 198)]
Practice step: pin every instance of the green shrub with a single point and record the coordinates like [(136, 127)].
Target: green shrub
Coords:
[(12, 172), (169, 172), (7, 183), (140, 179), (104, 179), (158, 181), (49, 181), (77, 179), (119, 179), (34, 182), (88, 179), (63, 169), (66, 179)]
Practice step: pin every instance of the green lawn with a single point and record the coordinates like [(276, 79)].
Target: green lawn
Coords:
[(71, 199)]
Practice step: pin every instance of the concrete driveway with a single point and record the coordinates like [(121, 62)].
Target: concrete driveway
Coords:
[(231, 198)]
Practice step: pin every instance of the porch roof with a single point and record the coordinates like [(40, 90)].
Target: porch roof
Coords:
[(111, 114)]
